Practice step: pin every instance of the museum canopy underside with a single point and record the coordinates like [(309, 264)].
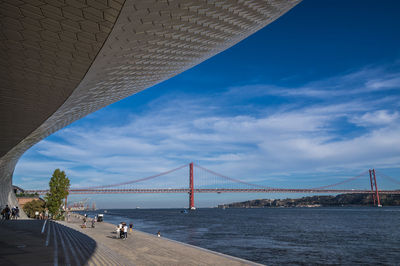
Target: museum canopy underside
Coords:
[(63, 59)]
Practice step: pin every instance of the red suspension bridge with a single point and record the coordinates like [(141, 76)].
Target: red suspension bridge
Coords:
[(208, 181)]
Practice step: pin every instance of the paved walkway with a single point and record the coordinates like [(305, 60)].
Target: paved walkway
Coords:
[(45, 242), (21, 243), (40, 242), (144, 249)]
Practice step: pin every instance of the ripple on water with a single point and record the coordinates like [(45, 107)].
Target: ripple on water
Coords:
[(282, 235)]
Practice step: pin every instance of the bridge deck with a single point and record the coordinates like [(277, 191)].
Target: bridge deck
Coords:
[(216, 190)]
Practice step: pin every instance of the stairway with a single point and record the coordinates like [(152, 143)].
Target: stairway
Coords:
[(56, 244)]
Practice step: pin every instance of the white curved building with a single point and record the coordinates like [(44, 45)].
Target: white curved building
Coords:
[(63, 59)]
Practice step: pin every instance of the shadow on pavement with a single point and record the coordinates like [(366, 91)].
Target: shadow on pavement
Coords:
[(34, 242)]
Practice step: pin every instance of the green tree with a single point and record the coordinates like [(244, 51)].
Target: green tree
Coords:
[(59, 186), (33, 206), (29, 195)]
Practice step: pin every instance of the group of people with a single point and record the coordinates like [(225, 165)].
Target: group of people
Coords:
[(85, 219), (122, 230), (7, 213)]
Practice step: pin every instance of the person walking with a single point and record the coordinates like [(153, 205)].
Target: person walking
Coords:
[(16, 212), (130, 228), (125, 232), (119, 231), (13, 213), (7, 211)]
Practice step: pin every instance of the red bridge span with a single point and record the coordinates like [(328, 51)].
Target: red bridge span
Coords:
[(217, 183)]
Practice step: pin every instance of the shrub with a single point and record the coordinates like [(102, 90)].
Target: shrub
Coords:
[(33, 206)]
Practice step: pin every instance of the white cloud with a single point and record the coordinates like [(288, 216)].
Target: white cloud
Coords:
[(343, 134), (376, 118), (384, 83), (367, 80)]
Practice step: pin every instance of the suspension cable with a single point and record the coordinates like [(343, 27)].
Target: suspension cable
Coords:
[(388, 177), (134, 181), (230, 178), (343, 182)]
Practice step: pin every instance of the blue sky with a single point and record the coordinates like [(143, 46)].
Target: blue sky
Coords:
[(309, 100)]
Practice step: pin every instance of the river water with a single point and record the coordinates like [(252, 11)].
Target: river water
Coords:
[(275, 236)]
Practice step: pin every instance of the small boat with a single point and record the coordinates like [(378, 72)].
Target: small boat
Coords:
[(184, 211)]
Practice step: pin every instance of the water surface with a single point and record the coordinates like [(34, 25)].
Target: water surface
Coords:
[(346, 235)]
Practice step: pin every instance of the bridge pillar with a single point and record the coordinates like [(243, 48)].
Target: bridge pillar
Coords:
[(191, 188), (374, 187)]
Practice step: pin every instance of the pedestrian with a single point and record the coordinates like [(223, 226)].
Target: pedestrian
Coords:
[(7, 212), (118, 232), (13, 213), (125, 231), (3, 214), (130, 228), (121, 230), (16, 212), (159, 234)]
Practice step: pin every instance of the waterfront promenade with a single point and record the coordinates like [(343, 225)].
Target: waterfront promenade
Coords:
[(64, 243)]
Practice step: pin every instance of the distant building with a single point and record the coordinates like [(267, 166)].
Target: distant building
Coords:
[(24, 200), (18, 190)]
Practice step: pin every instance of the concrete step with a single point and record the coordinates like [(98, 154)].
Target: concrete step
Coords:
[(75, 248), (53, 244)]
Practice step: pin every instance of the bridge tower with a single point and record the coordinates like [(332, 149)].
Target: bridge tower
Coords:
[(374, 187), (191, 188)]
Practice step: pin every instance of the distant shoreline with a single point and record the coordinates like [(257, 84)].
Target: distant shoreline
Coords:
[(341, 200)]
